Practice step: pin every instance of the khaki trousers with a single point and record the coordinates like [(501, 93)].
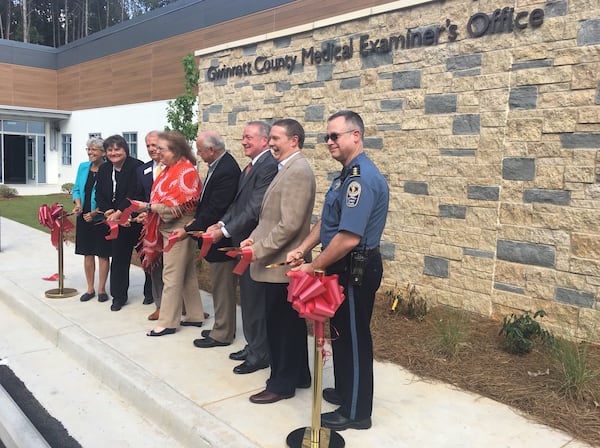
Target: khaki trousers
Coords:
[(223, 282), (180, 285)]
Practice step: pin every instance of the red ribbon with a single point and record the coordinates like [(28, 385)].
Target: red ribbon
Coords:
[(315, 298), (126, 214), (124, 218), (207, 241), (114, 229), (51, 278), (136, 204), (51, 218), (173, 238), (246, 257)]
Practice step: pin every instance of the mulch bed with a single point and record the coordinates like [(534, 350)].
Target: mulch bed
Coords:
[(484, 367)]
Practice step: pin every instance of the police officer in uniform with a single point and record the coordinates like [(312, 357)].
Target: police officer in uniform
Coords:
[(350, 229)]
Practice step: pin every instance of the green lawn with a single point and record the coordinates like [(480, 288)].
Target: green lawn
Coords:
[(24, 209)]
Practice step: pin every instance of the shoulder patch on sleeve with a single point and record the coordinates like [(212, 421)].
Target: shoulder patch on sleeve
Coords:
[(353, 194)]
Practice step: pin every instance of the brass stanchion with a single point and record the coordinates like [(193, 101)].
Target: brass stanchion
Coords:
[(315, 436), (60, 292)]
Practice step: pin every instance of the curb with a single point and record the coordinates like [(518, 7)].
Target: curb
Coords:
[(178, 416), (16, 431)]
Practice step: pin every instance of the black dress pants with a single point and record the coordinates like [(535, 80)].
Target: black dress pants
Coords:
[(122, 248), (287, 336)]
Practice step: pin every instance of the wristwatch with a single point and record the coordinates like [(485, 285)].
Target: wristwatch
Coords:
[(148, 207)]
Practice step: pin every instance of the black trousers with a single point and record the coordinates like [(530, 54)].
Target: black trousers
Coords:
[(122, 248), (352, 343), (287, 336)]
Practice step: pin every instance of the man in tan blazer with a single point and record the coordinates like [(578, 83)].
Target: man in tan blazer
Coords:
[(283, 223)]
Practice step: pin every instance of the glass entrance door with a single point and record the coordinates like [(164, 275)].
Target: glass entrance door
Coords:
[(31, 158)]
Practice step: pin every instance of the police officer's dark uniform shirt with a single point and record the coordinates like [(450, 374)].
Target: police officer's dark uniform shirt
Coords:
[(357, 202)]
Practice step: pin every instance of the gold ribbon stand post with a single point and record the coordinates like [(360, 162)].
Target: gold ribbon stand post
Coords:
[(315, 436), (61, 292)]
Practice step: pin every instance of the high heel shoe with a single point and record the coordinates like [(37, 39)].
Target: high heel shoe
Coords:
[(161, 333)]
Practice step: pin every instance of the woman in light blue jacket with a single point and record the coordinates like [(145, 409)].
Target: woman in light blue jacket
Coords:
[(90, 238)]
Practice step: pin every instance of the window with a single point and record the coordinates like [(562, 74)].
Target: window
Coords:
[(131, 139), (66, 149)]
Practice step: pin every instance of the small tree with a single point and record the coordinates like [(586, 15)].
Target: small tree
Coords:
[(180, 111)]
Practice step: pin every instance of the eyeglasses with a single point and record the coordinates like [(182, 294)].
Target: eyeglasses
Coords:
[(335, 135), (162, 148)]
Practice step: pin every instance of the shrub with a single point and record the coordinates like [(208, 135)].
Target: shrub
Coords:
[(407, 302), (577, 373), (450, 331), (522, 332), (395, 298), (7, 192), (68, 187)]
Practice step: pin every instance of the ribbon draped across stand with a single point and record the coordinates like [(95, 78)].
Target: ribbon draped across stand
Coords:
[(54, 218), (315, 297)]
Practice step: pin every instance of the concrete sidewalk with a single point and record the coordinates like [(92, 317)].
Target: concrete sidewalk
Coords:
[(191, 394)]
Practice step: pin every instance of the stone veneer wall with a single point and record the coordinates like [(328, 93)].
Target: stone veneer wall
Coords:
[(491, 146)]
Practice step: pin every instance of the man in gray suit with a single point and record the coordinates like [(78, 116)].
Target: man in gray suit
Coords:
[(283, 223), (237, 223)]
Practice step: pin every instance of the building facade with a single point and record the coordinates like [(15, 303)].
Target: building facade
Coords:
[(484, 116)]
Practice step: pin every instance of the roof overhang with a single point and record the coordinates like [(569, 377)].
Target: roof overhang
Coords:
[(31, 113)]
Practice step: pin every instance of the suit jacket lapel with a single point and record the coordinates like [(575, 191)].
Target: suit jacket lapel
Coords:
[(280, 175)]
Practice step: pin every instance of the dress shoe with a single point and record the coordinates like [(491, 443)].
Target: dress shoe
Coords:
[(246, 367), (87, 296), (117, 305), (154, 315), (161, 333), (209, 342), (304, 385), (187, 323), (336, 421), (330, 395), (148, 300), (266, 397), (102, 297), (206, 333), (239, 355)]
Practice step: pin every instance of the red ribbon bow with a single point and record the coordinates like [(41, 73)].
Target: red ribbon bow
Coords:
[(315, 298), (246, 257), (51, 217)]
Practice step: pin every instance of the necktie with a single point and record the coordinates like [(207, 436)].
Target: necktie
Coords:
[(247, 169), (158, 170)]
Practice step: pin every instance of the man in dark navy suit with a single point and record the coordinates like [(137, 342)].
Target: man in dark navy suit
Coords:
[(237, 223), (218, 190), (147, 173)]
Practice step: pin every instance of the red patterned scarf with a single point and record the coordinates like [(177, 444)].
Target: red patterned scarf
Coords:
[(177, 186)]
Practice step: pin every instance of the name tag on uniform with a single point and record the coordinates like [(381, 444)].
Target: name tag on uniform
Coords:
[(148, 170)]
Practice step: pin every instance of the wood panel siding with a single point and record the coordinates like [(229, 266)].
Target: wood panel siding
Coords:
[(28, 86), (153, 72)]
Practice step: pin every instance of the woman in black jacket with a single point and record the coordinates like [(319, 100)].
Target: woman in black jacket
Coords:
[(117, 183)]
